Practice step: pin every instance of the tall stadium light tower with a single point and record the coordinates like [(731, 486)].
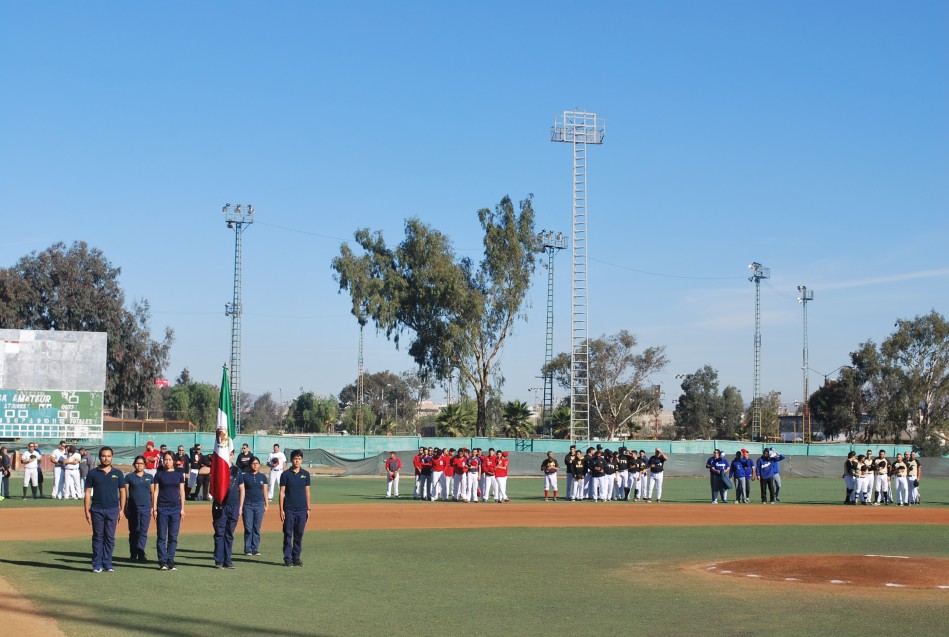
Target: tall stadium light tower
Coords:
[(552, 243), (237, 219), (806, 295), (579, 128), (360, 387), (758, 272)]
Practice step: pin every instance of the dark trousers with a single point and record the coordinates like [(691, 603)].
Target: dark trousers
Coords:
[(103, 536), (166, 528), (718, 487), (767, 484), (224, 521), (201, 483), (139, 519), (5, 486), (294, 523), (253, 517)]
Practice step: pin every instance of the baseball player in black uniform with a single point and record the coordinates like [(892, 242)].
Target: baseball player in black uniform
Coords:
[(549, 468)]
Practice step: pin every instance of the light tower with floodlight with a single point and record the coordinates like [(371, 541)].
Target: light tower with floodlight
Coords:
[(552, 243), (759, 272), (237, 220), (579, 128), (806, 295)]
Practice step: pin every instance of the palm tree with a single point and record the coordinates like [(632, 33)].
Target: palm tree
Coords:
[(561, 422), (457, 419), (517, 420)]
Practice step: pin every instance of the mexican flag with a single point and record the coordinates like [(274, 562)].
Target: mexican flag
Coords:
[(223, 444)]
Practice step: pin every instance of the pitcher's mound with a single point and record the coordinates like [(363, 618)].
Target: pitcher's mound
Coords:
[(876, 571)]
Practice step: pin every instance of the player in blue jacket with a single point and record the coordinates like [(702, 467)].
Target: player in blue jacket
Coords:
[(766, 467)]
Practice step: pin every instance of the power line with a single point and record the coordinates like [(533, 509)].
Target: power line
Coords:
[(298, 231), (668, 276)]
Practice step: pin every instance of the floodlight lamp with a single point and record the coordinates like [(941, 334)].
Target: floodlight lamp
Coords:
[(224, 209), (237, 209), (250, 210)]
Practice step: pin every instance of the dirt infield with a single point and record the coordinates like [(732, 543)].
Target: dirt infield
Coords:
[(864, 571), (55, 523), (21, 617)]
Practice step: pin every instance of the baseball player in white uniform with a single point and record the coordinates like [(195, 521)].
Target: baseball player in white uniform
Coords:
[(30, 459), (58, 455), (72, 489), (277, 462)]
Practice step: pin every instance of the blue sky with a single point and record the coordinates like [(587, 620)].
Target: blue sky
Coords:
[(812, 137)]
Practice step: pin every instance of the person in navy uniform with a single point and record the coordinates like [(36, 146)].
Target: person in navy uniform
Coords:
[(254, 486), (168, 507), (138, 508), (103, 504), (717, 465), (294, 508), (224, 518)]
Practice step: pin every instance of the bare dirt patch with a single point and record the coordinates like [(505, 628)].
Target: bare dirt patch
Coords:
[(61, 522), (846, 571)]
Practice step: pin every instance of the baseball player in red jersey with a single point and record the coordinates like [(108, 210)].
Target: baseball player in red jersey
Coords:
[(474, 476), (489, 470), (450, 493), (393, 467), (460, 464), (500, 473), (152, 457), (417, 463), (439, 463)]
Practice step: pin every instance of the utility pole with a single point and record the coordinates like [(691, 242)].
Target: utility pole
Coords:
[(759, 272), (579, 128), (237, 220), (658, 390), (552, 243), (360, 387), (806, 433)]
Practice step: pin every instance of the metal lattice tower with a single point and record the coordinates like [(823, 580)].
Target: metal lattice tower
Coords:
[(806, 295), (552, 244), (759, 272), (360, 387), (579, 128), (237, 220)]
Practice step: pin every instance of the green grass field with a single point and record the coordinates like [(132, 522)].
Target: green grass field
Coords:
[(327, 490), (630, 581)]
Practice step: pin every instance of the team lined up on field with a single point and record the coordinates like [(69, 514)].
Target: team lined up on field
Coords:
[(868, 478), (463, 475)]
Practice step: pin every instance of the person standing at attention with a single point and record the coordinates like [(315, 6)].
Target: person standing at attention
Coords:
[(224, 517), (549, 469), (168, 507), (254, 496), (103, 504), (393, 467), (294, 508), (277, 462), (138, 508)]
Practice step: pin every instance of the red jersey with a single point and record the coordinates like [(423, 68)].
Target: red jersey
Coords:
[(449, 467), (460, 464), (501, 470), (439, 463), (151, 458), (489, 463), (417, 461)]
